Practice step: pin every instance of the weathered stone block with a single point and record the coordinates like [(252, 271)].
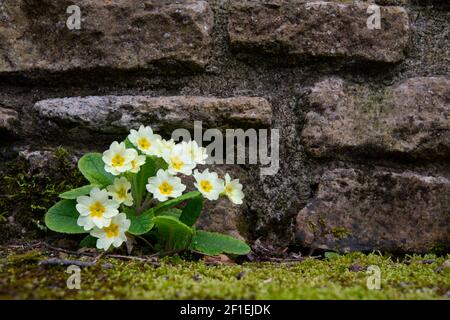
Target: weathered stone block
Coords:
[(124, 34), (8, 120), (410, 118), (118, 114), (47, 163), (319, 29), (357, 210), (222, 215)]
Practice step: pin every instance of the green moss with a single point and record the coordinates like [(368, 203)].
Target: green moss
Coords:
[(177, 279), (339, 233), (312, 226), (26, 197), (32, 255)]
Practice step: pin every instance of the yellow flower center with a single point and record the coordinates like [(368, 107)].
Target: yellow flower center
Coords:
[(122, 193), (166, 188), (228, 189), (117, 161), (177, 163), (134, 165), (144, 144), (206, 185), (112, 231), (96, 210)]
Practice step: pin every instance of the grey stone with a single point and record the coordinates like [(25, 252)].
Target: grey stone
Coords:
[(118, 114), (376, 210), (318, 29), (46, 162), (410, 118), (222, 215), (8, 120), (125, 34)]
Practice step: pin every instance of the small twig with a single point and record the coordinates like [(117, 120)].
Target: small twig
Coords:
[(68, 251), (97, 258), (21, 246), (147, 259), (300, 259), (118, 256), (92, 255), (288, 259), (63, 262)]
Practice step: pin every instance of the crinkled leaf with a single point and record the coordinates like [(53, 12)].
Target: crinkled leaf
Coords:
[(172, 234), (212, 243), (92, 167), (63, 216), (173, 212), (75, 193), (140, 224), (192, 210), (173, 202)]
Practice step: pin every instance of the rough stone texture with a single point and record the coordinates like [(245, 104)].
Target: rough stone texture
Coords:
[(319, 29), (409, 118), (377, 210), (45, 162), (272, 202), (222, 215), (124, 34), (8, 120), (113, 114)]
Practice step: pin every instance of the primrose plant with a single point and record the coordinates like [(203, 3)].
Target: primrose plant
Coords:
[(135, 190)]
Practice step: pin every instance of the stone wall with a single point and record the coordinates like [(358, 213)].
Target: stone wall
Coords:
[(363, 114)]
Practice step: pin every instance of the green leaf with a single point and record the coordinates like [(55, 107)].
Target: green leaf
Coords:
[(173, 202), (172, 234), (128, 144), (140, 224), (191, 212), (148, 169), (92, 167), (75, 193), (212, 243), (88, 242), (173, 212), (63, 216)]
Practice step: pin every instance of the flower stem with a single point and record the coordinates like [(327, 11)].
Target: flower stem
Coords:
[(145, 205), (135, 192)]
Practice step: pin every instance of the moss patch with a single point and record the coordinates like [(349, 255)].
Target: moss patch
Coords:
[(343, 277), (25, 196)]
